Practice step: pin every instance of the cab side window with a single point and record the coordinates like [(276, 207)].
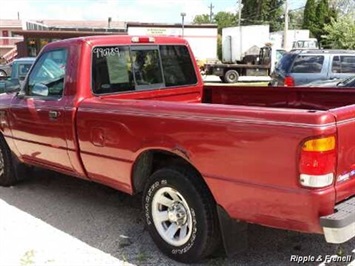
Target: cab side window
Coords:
[(47, 77), (177, 66)]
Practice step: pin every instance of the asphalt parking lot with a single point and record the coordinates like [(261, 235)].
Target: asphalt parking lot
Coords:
[(52, 219)]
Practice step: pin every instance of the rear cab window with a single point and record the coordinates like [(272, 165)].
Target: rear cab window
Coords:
[(132, 68), (308, 64)]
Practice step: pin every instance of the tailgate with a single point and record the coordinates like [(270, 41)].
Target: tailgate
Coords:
[(345, 174)]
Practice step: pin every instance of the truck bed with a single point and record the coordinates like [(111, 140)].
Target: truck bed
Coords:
[(313, 99), (254, 126)]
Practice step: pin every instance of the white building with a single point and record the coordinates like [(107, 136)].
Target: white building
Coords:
[(202, 38)]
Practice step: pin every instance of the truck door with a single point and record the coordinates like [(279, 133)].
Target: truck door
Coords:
[(37, 113)]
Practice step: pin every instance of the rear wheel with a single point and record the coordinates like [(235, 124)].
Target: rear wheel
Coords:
[(180, 215), (231, 76)]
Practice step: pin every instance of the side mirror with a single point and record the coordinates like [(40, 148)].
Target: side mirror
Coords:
[(12, 89), (9, 87), (40, 89)]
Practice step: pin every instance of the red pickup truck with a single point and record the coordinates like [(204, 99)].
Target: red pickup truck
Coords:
[(133, 113)]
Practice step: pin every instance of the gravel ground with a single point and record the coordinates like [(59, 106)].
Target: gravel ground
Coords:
[(53, 219)]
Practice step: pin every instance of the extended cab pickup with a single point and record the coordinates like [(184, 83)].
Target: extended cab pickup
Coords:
[(133, 113)]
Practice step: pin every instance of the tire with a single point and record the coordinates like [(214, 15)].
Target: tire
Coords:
[(231, 76), (11, 170), (180, 215), (3, 73), (222, 78)]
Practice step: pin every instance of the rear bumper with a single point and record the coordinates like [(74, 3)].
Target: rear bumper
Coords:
[(339, 227)]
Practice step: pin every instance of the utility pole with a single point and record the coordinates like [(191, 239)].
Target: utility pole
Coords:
[(239, 12), (183, 14), (286, 25), (240, 26), (211, 11)]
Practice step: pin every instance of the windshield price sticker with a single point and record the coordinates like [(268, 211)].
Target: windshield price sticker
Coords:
[(322, 259)]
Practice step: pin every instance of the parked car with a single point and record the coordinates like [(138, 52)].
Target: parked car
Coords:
[(5, 70), (343, 83), (304, 66), (19, 70)]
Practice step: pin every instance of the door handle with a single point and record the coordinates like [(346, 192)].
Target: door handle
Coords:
[(53, 114)]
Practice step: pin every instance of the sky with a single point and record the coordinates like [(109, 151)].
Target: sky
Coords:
[(163, 11)]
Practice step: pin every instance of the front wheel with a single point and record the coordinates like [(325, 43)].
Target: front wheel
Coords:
[(180, 215), (11, 170), (7, 171)]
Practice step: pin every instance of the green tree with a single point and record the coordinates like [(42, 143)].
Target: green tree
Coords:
[(322, 14), (201, 19), (253, 12), (275, 15), (309, 15), (219, 46), (296, 19), (224, 20), (316, 18), (256, 12), (340, 33)]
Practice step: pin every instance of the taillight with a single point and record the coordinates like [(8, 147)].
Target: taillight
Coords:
[(317, 162), (289, 81)]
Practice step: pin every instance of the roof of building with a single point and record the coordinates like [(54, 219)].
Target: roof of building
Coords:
[(82, 23), (62, 34), (10, 23), (167, 25)]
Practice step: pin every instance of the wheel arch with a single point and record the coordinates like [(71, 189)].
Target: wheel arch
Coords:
[(148, 161)]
